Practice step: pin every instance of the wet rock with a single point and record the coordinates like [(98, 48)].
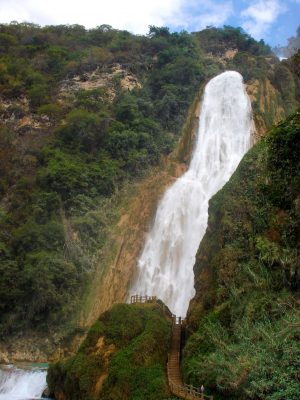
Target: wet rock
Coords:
[(47, 394)]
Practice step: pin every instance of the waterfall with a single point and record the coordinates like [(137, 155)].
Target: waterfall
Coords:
[(165, 267), (18, 383)]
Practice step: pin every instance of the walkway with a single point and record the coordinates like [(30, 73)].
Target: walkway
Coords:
[(177, 387)]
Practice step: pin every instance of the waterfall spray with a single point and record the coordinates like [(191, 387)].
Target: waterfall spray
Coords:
[(165, 267), (17, 383)]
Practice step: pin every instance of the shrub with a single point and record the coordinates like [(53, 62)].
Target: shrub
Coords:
[(38, 94), (83, 130), (53, 111)]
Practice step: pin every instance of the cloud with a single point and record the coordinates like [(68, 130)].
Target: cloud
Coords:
[(197, 14), (10, 12), (120, 14), (259, 17), (133, 15)]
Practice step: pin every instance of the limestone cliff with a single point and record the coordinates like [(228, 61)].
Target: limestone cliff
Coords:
[(136, 214), (267, 105)]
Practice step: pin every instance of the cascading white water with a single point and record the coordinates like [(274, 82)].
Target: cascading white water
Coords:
[(21, 383), (165, 267)]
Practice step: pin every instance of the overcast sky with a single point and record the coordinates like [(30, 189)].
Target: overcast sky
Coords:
[(272, 20)]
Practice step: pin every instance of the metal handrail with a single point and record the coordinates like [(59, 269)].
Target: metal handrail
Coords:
[(184, 391), (142, 299)]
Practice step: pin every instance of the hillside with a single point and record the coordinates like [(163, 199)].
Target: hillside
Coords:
[(94, 126), (85, 116), (243, 322), (123, 356)]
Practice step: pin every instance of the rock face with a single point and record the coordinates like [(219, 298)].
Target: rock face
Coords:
[(267, 105), (129, 233), (243, 321), (128, 237), (123, 357), (33, 347), (99, 79)]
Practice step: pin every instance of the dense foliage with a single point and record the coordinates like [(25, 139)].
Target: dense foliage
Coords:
[(218, 40), (244, 319), (57, 190), (63, 159), (123, 356)]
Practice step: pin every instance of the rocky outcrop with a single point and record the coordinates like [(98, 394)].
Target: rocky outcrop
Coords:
[(128, 238), (123, 356), (99, 79), (34, 347), (267, 105)]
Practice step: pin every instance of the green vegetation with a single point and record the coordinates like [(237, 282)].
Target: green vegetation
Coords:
[(66, 156), (94, 144), (124, 356), (244, 321), (249, 57), (65, 160), (256, 62)]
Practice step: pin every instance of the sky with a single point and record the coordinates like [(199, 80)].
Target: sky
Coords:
[(272, 20)]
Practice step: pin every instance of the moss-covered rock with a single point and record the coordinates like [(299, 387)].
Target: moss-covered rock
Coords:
[(123, 357), (244, 320)]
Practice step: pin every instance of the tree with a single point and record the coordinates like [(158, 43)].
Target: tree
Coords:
[(156, 31), (38, 94), (83, 130)]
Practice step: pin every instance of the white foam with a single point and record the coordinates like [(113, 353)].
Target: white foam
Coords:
[(165, 267), (21, 384)]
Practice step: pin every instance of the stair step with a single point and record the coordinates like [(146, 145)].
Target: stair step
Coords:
[(174, 372)]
